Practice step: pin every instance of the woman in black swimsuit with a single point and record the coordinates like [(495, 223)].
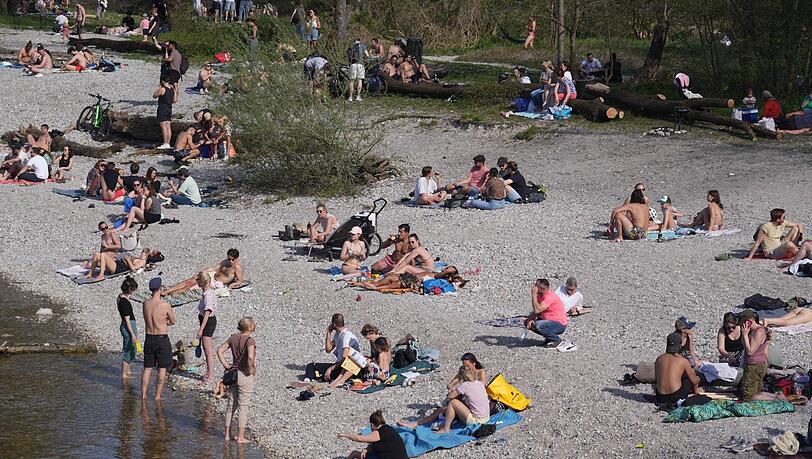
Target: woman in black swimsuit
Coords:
[(64, 163), (147, 209), (729, 340)]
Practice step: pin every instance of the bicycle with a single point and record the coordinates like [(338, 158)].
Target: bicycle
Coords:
[(95, 119), (374, 84)]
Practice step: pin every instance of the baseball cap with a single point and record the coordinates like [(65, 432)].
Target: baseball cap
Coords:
[(155, 284), (673, 342), (355, 230), (682, 322), (663, 199)]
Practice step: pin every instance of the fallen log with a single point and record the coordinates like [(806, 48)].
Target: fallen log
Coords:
[(661, 109), (433, 90), (58, 142), (48, 349), (593, 110), (122, 46), (143, 127)]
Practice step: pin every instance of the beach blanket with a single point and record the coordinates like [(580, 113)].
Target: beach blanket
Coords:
[(794, 329), (517, 321), (717, 233), (422, 440), (766, 313), (11, 65), (719, 409), (397, 377), (81, 280), (666, 235), (177, 299), (22, 182), (69, 193), (77, 272), (72, 271)]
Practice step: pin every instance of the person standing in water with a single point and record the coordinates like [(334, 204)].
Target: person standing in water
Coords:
[(158, 316), (128, 327)]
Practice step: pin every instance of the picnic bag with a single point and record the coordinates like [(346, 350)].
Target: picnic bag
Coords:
[(404, 357), (499, 390)]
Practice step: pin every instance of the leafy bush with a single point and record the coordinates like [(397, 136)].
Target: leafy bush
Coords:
[(291, 141)]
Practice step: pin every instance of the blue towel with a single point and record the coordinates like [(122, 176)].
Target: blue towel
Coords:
[(334, 271), (439, 265), (422, 440)]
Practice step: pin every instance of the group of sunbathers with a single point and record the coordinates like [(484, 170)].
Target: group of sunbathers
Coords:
[(33, 161), (208, 138), (403, 66), (484, 188), (37, 61)]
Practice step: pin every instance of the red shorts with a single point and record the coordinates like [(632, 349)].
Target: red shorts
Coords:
[(389, 263)]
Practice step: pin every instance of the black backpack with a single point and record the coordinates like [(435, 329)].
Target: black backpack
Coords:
[(760, 302), (184, 65), (404, 357)]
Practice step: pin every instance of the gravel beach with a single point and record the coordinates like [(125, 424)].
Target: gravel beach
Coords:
[(637, 289)]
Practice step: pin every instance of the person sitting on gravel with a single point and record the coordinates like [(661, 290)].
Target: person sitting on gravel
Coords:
[(418, 257), (15, 161), (401, 243), (148, 209), (76, 63), (35, 169), (425, 192), (323, 226), (670, 214), (548, 317), (685, 328), (42, 141), (228, 273), (43, 64), (412, 279), (204, 81), (341, 343), (631, 220), (729, 340), (517, 189), (572, 299), (111, 183), (390, 68), (468, 402), (27, 54), (674, 378), (492, 195), (384, 441), (188, 193), (110, 244), (475, 180), (186, 148), (770, 237), (353, 252), (712, 217), (470, 362)]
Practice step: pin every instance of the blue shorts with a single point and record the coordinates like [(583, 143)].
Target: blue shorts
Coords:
[(313, 35), (230, 6)]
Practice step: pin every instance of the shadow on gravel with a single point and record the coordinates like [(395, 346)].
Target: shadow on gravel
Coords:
[(136, 103), (422, 409), (643, 398), (295, 367), (507, 341), (598, 235)]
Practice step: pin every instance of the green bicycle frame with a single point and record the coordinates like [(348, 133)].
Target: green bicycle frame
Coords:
[(97, 117)]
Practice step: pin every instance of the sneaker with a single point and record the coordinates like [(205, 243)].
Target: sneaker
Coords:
[(349, 99), (202, 92), (38, 75), (358, 98), (551, 344), (164, 146)]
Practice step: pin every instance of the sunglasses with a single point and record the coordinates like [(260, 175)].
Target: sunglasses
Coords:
[(104, 228)]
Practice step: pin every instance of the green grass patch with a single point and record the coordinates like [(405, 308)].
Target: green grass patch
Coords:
[(528, 134)]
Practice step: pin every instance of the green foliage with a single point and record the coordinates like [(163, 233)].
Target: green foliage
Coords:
[(290, 141), (528, 134)]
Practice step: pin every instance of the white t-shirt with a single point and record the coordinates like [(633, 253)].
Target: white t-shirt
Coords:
[(61, 20), (576, 300), (39, 165), (342, 340), (425, 185), (524, 80)]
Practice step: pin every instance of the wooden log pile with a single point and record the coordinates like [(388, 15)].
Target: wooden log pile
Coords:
[(143, 127), (592, 108)]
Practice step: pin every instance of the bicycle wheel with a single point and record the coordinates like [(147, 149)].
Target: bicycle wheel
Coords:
[(339, 86), (103, 131), (85, 120), (376, 85), (374, 244)]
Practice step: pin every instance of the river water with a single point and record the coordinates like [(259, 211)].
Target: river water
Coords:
[(76, 406)]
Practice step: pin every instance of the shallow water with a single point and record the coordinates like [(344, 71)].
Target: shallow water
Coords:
[(76, 406)]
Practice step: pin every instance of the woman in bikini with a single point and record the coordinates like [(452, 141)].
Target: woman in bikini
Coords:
[(711, 218), (418, 257), (64, 163), (797, 316), (353, 252), (412, 280), (470, 361), (531, 32)]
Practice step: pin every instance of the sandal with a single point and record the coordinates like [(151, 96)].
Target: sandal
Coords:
[(731, 443), (742, 447)]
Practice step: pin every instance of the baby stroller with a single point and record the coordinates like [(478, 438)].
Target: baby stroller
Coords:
[(367, 221)]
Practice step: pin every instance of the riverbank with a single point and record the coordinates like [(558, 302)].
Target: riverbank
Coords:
[(637, 289)]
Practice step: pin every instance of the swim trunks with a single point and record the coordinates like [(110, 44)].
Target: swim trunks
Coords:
[(215, 284), (635, 233), (389, 263), (157, 351), (211, 324)]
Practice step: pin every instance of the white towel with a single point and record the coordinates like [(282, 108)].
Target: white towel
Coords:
[(714, 371), (794, 329), (793, 269), (73, 271), (724, 232)]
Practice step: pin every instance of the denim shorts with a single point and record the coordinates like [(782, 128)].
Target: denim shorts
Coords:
[(230, 6), (313, 35)]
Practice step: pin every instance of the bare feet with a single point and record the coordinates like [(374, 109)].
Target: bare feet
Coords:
[(242, 440), (442, 431)]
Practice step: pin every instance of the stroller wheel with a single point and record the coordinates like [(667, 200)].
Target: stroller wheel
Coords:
[(373, 244)]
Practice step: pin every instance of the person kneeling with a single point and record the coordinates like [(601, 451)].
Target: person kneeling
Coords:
[(492, 195)]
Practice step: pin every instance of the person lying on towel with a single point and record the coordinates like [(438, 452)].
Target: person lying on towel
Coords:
[(228, 273)]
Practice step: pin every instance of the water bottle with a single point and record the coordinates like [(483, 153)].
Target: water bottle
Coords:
[(800, 380)]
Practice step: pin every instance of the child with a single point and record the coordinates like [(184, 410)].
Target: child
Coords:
[(749, 109), (144, 26), (670, 214)]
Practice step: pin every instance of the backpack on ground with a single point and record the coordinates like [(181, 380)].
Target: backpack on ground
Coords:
[(536, 193), (499, 390), (760, 302), (405, 357)]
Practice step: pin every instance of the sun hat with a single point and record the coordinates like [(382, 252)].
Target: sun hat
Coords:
[(355, 230), (682, 322), (673, 342)]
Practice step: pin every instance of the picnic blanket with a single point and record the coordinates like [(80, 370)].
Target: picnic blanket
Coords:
[(516, 321), (397, 377), (719, 409), (77, 273), (794, 329), (666, 235), (422, 440), (177, 299), (22, 182), (70, 193)]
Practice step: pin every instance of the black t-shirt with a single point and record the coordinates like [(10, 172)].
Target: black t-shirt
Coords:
[(519, 184), (125, 308), (110, 179), (130, 179), (390, 446), (128, 22)]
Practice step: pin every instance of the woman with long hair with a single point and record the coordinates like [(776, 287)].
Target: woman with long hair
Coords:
[(712, 217)]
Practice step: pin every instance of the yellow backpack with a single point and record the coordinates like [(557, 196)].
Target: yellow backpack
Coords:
[(501, 391)]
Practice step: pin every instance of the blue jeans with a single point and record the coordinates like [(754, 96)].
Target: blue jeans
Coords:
[(300, 30), (182, 200), (491, 204), (512, 195), (549, 329), (245, 8)]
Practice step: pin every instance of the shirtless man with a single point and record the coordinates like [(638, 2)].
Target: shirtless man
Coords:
[(158, 316), (417, 259), (81, 17), (45, 63), (631, 220), (406, 70), (323, 226), (228, 273), (106, 256), (390, 69), (401, 243), (44, 140), (675, 379), (77, 63), (204, 79), (185, 147), (395, 50), (376, 49), (27, 54)]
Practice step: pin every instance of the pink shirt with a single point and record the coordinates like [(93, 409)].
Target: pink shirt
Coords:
[(555, 308), (145, 23), (479, 177), (476, 398)]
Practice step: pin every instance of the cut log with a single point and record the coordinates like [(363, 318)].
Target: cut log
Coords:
[(593, 110), (667, 109), (143, 127), (433, 90), (122, 46), (48, 349)]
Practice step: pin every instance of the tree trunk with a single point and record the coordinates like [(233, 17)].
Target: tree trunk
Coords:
[(559, 33), (649, 70), (86, 150), (342, 19), (122, 46), (594, 110), (573, 31)]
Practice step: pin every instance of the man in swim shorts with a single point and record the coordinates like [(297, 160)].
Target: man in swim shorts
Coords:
[(228, 273), (323, 226), (631, 220), (158, 316), (401, 243), (675, 379)]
